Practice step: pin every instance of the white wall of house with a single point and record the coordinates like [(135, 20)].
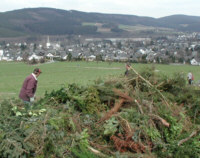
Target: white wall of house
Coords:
[(35, 57), (64, 57), (194, 62), (49, 55), (5, 58), (1, 54), (19, 58), (91, 58)]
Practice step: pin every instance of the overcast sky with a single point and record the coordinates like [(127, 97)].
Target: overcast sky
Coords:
[(152, 8)]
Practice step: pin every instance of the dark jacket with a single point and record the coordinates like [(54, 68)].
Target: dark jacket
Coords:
[(28, 88)]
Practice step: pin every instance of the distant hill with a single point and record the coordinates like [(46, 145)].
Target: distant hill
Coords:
[(49, 21), (181, 22)]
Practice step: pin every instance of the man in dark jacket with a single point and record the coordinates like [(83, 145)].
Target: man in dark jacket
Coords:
[(29, 87), (128, 67)]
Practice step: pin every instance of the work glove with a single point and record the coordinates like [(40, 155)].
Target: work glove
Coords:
[(32, 99)]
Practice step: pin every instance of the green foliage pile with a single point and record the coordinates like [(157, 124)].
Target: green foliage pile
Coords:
[(68, 122)]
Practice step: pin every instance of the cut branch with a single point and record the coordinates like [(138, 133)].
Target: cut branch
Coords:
[(113, 110), (150, 85), (96, 152), (28, 137), (164, 122), (194, 133), (102, 148), (139, 106), (123, 95)]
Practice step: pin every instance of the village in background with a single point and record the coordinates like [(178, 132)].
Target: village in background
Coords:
[(180, 49)]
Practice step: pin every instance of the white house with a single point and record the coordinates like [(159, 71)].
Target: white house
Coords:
[(40, 46), (5, 58), (19, 58), (194, 62), (49, 55), (142, 51), (91, 58), (64, 57), (57, 45), (9, 59), (1, 54), (36, 57)]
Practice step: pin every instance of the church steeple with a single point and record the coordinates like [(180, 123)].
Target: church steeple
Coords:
[(48, 44)]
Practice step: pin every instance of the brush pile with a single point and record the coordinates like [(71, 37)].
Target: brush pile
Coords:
[(142, 115)]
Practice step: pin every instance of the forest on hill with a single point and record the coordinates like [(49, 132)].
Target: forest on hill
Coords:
[(50, 21)]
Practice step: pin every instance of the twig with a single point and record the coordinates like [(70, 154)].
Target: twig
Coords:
[(127, 123), (27, 138), (112, 111), (160, 84), (137, 82), (186, 139), (96, 152), (150, 107), (22, 122), (11, 103), (163, 97), (122, 95), (132, 79), (75, 121), (139, 106), (16, 146), (44, 134), (164, 122), (100, 147), (52, 98), (148, 104)]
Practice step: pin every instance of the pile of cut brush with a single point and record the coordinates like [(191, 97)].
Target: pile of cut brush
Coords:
[(142, 115)]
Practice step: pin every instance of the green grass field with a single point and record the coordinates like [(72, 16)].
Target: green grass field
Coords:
[(58, 74), (139, 28)]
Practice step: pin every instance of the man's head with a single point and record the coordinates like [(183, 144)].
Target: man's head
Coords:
[(128, 64), (37, 72)]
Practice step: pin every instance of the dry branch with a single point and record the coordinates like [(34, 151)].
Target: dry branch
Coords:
[(16, 145), (113, 110), (96, 152), (102, 148), (164, 122), (128, 127), (128, 98), (40, 148), (28, 137), (163, 97), (139, 106), (148, 104), (123, 95), (21, 124), (75, 120), (128, 144), (186, 139)]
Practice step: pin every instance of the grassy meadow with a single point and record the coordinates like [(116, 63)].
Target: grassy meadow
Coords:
[(57, 74)]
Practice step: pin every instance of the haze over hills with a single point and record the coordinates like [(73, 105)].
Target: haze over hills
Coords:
[(49, 21)]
